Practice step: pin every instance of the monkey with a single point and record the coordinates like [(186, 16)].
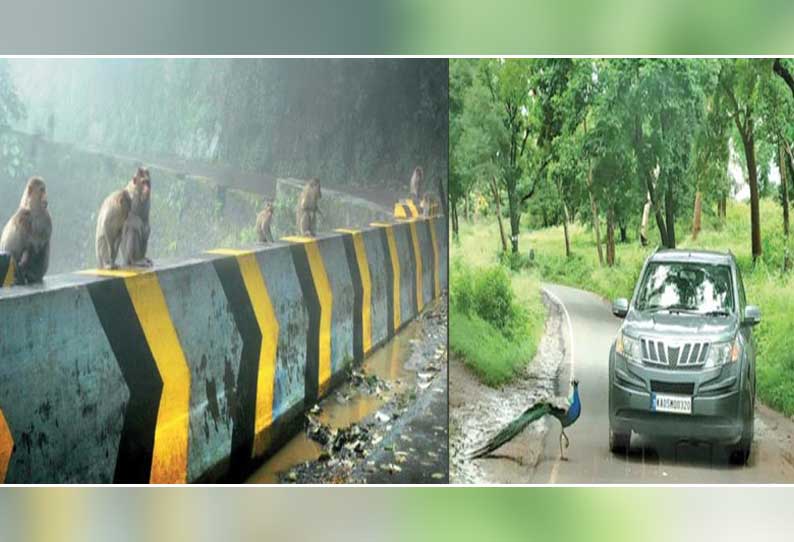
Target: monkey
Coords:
[(135, 233), (306, 212), (263, 220), (27, 234), (416, 183), (112, 217), (428, 204)]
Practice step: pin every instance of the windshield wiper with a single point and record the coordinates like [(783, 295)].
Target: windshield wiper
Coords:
[(718, 312), (674, 308)]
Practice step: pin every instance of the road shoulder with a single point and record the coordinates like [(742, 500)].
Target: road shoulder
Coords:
[(477, 411)]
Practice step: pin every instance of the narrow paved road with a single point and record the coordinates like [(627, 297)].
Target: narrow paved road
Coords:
[(650, 460)]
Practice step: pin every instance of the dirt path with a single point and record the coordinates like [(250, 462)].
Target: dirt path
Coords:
[(477, 411)]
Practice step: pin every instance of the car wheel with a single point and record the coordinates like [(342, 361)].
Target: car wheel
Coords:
[(619, 442), (741, 453)]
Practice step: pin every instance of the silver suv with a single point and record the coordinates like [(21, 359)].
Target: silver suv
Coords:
[(683, 362)]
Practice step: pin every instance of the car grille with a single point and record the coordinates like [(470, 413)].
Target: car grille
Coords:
[(678, 388), (691, 354)]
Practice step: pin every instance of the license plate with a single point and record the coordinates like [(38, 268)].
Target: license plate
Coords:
[(676, 404)]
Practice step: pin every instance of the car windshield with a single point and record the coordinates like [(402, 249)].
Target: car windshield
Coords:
[(687, 287)]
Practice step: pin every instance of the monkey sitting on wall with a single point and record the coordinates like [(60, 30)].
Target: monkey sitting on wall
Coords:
[(263, 220), (429, 204), (113, 216), (308, 207), (27, 234), (135, 234), (416, 183)]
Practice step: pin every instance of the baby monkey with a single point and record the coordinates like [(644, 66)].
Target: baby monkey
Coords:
[(263, 220), (428, 205)]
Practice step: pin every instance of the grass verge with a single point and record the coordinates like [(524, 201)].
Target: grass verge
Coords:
[(496, 316)]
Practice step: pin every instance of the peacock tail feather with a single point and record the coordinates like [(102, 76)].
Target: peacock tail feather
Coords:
[(535, 412)]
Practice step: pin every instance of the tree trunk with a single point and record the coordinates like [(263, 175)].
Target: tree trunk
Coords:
[(646, 211), (649, 183), (752, 174), (610, 237), (669, 211), (514, 208), (466, 207), (594, 212), (565, 229), (454, 218), (623, 233), (697, 215), (593, 205), (515, 218), (497, 199), (784, 188)]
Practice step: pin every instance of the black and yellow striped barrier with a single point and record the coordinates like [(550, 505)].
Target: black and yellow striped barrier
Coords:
[(405, 209), (186, 372), (7, 270)]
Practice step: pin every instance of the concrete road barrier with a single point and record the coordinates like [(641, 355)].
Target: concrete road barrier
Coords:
[(188, 371)]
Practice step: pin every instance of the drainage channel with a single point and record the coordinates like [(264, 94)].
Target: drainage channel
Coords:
[(381, 377)]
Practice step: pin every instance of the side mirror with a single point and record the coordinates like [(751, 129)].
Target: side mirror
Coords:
[(752, 315), (620, 307)]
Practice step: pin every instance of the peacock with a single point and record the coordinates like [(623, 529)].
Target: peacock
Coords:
[(567, 415)]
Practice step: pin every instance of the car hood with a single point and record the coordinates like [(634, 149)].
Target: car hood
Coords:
[(685, 326)]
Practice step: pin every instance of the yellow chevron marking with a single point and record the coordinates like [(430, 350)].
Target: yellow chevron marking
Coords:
[(9, 281), (268, 326), (420, 294), (6, 447), (395, 266), (432, 228), (326, 297), (366, 288), (228, 251), (169, 457), (118, 273)]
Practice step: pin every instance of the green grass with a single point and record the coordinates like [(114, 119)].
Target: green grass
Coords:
[(766, 285), (495, 355)]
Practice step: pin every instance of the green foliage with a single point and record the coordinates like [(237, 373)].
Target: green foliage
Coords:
[(515, 261), (496, 317), (494, 358)]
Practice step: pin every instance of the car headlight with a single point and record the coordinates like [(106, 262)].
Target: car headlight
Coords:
[(628, 347), (722, 353)]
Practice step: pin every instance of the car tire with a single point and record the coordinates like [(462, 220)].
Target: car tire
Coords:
[(619, 442), (741, 453)]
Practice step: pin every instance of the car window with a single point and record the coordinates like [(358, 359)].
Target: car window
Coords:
[(687, 287)]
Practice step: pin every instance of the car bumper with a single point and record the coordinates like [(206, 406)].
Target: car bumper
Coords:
[(716, 403)]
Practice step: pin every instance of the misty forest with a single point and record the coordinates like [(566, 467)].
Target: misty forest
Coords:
[(220, 137)]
